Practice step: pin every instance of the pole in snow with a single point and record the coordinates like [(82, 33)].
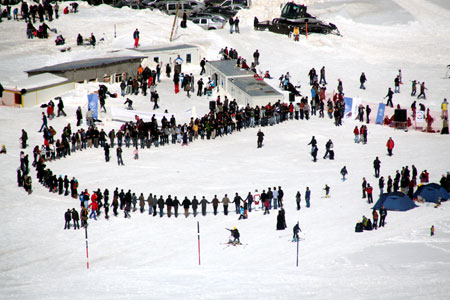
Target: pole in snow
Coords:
[(198, 237), (87, 247), (297, 250)]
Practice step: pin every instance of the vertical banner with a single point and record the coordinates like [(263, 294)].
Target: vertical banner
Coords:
[(348, 107), (93, 104), (380, 113)]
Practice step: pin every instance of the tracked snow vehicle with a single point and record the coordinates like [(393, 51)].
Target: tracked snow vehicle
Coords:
[(293, 15)]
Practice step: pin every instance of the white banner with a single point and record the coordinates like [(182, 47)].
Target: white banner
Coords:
[(126, 115)]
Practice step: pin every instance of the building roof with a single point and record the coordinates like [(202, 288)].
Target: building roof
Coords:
[(86, 63), (228, 68), (255, 88), (168, 48), (37, 82)]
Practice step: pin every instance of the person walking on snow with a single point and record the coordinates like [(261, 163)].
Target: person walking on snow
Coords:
[(390, 146), (136, 38), (343, 173), (422, 91), (260, 135), (389, 95), (362, 80)]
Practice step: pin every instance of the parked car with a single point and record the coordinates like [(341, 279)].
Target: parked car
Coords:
[(234, 4), (134, 4), (209, 22), (220, 11), (188, 6)]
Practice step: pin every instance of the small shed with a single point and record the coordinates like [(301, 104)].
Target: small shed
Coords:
[(104, 69), (221, 71), (241, 84), (35, 90), (189, 53), (249, 90)]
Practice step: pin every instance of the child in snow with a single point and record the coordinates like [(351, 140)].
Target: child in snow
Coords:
[(136, 153), (432, 230), (3, 151)]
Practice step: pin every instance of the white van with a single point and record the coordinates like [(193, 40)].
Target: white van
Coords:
[(188, 6)]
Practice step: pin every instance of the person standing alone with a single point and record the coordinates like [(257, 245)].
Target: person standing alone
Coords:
[(136, 38)]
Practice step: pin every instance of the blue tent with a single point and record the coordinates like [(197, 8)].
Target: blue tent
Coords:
[(395, 201), (432, 192)]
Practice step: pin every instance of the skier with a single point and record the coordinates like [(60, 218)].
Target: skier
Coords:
[(235, 235), (343, 173), (295, 230), (376, 166), (390, 146), (260, 135), (432, 230)]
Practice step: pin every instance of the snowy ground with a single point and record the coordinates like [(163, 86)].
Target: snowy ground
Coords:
[(151, 257)]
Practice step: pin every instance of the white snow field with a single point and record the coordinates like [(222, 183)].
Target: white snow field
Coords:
[(149, 257)]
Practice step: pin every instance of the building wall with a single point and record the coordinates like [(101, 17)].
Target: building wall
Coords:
[(98, 74), (44, 95)]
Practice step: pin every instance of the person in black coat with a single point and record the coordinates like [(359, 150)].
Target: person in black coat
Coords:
[(281, 220), (314, 152), (175, 204), (195, 204), (204, 204), (376, 166), (75, 218), (161, 204), (106, 148), (383, 214), (68, 218), (237, 202), (260, 135), (186, 204)]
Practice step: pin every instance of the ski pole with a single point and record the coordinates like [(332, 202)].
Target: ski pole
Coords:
[(198, 237), (87, 248)]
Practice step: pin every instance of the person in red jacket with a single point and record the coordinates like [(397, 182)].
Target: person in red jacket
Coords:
[(356, 133), (94, 207), (369, 190), (390, 146)]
